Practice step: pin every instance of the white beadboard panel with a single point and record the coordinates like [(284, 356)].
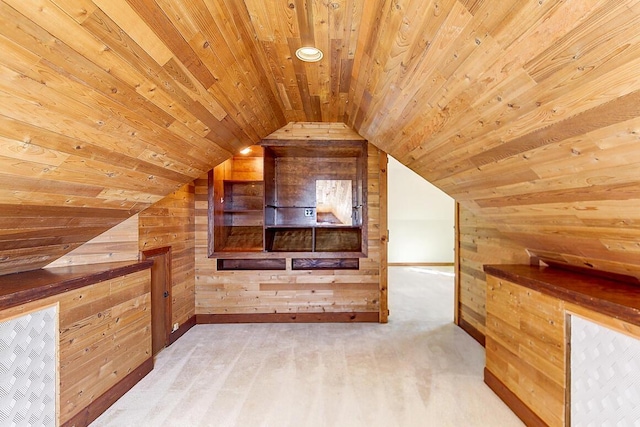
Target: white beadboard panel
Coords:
[(28, 369), (605, 376)]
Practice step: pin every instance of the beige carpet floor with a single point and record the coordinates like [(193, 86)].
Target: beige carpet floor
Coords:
[(417, 370)]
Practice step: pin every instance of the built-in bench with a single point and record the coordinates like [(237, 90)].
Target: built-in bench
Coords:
[(103, 323), (528, 332)]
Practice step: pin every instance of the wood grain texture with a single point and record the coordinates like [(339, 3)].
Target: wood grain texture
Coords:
[(525, 346), (479, 243), (119, 243), (525, 112)]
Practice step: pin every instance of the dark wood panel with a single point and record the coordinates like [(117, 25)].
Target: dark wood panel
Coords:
[(252, 264)]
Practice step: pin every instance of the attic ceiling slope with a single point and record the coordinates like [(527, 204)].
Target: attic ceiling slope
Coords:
[(526, 112), (106, 106)]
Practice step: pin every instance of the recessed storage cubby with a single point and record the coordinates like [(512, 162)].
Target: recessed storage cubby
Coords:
[(290, 199)]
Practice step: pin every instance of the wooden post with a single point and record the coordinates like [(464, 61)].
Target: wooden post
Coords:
[(384, 238), (456, 268)]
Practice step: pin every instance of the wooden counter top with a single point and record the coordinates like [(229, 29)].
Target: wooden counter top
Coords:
[(620, 300), (21, 288)]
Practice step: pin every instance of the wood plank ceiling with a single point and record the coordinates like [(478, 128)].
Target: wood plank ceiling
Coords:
[(525, 111)]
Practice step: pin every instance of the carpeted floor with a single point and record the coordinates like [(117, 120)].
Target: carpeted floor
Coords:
[(417, 370)]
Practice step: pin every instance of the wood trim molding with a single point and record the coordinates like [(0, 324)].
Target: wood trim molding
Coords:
[(287, 318), (475, 334), (512, 401), (87, 415), (175, 335), (456, 266)]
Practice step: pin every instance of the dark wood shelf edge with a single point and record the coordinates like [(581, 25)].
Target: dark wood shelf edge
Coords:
[(512, 401), (21, 288), (613, 298)]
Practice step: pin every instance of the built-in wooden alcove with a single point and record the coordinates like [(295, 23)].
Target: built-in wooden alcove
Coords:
[(274, 246), (298, 199)]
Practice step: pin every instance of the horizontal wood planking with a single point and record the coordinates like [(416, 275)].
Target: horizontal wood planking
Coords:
[(480, 243), (289, 291), (127, 126), (105, 334), (525, 343), (171, 222), (525, 112)]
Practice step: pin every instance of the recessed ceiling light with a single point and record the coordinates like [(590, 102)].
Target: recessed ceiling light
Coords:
[(309, 54), (245, 150)]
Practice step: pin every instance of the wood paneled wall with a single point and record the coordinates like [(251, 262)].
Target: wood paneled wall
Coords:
[(480, 243), (171, 222), (105, 334), (526, 347), (296, 292), (108, 106)]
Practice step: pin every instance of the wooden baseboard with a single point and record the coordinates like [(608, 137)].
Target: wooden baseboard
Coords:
[(420, 264), (512, 401), (288, 318), (475, 334), (182, 329), (87, 415)]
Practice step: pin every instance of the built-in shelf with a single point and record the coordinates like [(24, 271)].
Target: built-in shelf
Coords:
[(309, 203)]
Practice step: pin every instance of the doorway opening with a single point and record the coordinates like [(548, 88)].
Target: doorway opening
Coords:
[(160, 297)]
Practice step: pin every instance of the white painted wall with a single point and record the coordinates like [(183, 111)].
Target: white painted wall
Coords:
[(421, 218)]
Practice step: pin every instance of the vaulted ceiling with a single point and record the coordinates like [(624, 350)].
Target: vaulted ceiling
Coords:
[(106, 106)]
